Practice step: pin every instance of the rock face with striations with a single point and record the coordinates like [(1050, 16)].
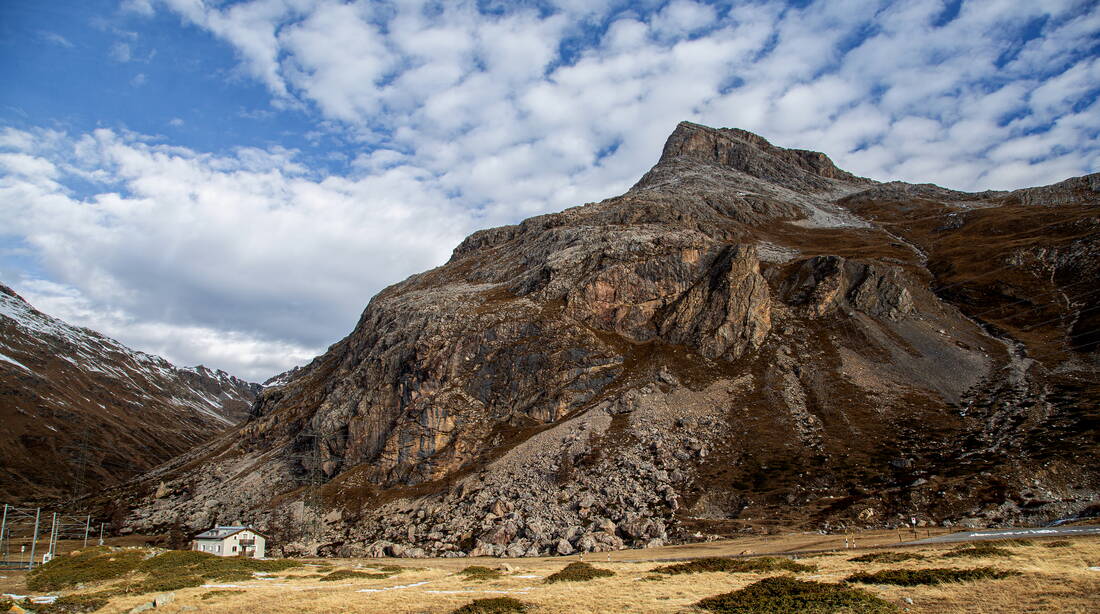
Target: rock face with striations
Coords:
[(750, 337)]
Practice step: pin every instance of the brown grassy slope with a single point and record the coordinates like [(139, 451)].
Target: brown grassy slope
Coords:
[(1053, 579)]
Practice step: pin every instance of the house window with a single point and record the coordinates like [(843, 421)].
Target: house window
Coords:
[(234, 548)]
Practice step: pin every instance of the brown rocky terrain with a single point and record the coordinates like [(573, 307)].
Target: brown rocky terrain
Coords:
[(748, 338), (81, 411)]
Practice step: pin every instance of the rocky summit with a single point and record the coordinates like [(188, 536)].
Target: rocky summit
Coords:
[(81, 411), (749, 338)]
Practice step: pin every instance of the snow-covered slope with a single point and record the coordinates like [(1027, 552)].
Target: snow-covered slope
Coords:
[(82, 410)]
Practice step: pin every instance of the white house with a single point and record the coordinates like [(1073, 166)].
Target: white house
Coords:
[(231, 541)]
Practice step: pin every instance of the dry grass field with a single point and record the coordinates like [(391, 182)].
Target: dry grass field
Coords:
[(1064, 578)]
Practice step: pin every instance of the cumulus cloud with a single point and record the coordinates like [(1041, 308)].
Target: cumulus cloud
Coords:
[(468, 118), (250, 246)]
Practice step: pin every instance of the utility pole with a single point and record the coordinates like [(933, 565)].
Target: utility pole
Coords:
[(53, 536), (4, 524), (34, 540)]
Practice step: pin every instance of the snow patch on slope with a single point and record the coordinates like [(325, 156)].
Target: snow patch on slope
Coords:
[(15, 362)]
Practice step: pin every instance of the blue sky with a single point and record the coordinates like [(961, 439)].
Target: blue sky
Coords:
[(228, 183)]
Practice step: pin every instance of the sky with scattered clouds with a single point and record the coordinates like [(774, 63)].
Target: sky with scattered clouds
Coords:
[(228, 183)]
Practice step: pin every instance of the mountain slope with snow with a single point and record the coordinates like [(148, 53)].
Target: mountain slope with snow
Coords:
[(82, 410)]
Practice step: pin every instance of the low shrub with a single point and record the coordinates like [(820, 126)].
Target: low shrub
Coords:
[(494, 605), (229, 576), (1016, 542), (916, 577), (72, 604), (204, 563), (760, 565), (348, 574), (161, 584), (1058, 543), (977, 551), (477, 572), (886, 557), (579, 572), (84, 566), (784, 594)]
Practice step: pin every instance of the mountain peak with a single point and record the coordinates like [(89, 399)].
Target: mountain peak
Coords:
[(6, 290), (752, 154)]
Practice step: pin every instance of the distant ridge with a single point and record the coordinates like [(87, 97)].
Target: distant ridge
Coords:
[(82, 411)]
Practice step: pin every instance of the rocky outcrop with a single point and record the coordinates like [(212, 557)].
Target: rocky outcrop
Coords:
[(823, 284), (749, 337), (726, 312), (82, 411)]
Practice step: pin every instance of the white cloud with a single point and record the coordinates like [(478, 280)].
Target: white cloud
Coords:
[(120, 52), (141, 7), (337, 57), (251, 357), (683, 17), (244, 246), (56, 39)]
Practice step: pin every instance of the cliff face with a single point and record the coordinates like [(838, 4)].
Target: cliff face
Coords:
[(749, 337), (82, 411)]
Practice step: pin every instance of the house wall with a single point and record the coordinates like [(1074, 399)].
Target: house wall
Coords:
[(231, 545), (213, 546)]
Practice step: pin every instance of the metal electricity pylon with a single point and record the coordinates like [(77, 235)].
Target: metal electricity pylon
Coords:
[(81, 451), (314, 480)]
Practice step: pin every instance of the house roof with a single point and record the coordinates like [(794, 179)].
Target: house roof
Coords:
[(226, 531)]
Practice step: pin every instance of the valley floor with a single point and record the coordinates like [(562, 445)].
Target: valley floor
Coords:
[(1064, 577)]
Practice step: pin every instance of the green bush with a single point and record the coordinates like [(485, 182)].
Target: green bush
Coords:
[(784, 595), (203, 563), (161, 584), (579, 572), (495, 605), (72, 604), (477, 572), (886, 557), (167, 571), (84, 566), (917, 577), (229, 576), (977, 551), (760, 565)]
